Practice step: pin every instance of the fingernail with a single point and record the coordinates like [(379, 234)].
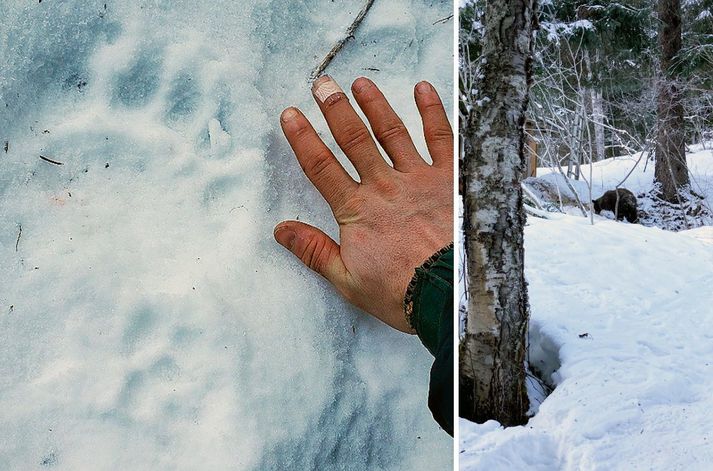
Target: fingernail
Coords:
[(361, 84), (424, 87), (285, 237), (324, 87), (289, 114)]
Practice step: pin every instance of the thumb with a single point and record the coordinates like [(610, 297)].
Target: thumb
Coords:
[(315, 248)]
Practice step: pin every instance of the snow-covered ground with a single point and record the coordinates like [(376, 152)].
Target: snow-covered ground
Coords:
[(637, 175), (147, 318), (626, 313)]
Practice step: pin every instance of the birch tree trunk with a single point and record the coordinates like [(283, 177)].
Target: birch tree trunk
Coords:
[(595, 109), (492, 350), (671, 171), (598, 117)]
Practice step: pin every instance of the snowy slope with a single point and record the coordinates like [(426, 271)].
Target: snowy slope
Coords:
[(610, 172), (629, 171), (147, 318), (627, 310)]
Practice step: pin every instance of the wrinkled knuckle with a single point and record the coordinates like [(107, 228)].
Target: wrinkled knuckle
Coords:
[(354, 138), (319, 164), (392, 131), (440, 133), (316, 254), (433, 106)]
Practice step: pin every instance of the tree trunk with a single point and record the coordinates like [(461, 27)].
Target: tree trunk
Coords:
[(598, 118), (671, 171), (595, 109), (575, 142), (492, 351)]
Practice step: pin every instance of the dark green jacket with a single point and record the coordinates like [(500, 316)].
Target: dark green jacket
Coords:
[(429, 309)]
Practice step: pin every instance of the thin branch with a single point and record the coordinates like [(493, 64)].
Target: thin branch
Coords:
[(645, 151), (443, 20), (319, 70), (50, 160), (19, 234)]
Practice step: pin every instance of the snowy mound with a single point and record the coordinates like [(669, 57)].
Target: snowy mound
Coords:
[(147, 318), (633, 172), (626, 309)]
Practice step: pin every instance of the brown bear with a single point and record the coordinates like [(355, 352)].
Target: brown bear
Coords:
[(626, 204)]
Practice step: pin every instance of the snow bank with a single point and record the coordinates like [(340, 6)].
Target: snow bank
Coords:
[(147, 318), (626, 309), (609, 173), (634, 172)]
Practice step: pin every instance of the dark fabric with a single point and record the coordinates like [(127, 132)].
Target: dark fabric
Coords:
[(431, 315)]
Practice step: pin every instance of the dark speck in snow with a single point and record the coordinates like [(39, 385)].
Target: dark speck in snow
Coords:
[(49, 460)]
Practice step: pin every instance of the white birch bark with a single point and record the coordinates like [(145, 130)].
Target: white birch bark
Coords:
[(598, 117), (492, 350)]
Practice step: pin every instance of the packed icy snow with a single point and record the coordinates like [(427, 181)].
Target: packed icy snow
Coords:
[(147, 318), (621, 324)]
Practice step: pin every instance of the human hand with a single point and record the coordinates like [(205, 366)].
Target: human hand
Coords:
[(391, 221)]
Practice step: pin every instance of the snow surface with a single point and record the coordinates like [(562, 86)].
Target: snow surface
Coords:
[(554, 192), (621, 322), (147, 318), (609, 173)]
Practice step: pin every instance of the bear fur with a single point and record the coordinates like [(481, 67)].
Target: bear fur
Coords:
[(627, 204)]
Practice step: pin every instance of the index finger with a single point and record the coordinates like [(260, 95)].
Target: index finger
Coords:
[(317, 161)]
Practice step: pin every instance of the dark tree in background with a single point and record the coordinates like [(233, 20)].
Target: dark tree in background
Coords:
[(671, 171), (493, 348)]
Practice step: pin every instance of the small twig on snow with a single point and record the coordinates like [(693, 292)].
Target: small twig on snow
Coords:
[(319, 70), (50, 160), (443, 20), (19, 234)]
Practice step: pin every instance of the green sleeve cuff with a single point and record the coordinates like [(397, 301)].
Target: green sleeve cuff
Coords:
[(429, 310), (429, 296)]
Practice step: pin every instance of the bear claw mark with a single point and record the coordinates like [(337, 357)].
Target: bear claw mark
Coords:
[(136, 86), (183, 98)]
